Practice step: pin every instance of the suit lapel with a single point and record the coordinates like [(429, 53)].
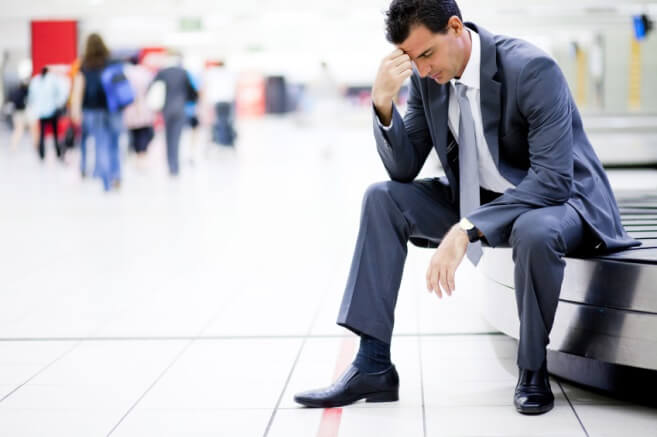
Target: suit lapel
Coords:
[(489, 91)]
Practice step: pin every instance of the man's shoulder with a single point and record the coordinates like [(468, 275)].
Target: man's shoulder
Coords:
[(514, 54)]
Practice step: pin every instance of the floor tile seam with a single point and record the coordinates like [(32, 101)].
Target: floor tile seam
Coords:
[(235, 337), (424, 411), (215, 316), (444, 404), (572, 407), (296, 360), (152, 409), (421, 364), (464, 405), (150, 387), (515, 434), (285, 385), (282, 408), (603, 404), (191, 341), (40, 371)]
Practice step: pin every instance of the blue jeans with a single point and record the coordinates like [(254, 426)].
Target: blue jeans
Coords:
[(83, 149), (104, 127)]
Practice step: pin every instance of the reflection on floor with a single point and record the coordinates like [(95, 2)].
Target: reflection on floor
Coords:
[(198, 306)]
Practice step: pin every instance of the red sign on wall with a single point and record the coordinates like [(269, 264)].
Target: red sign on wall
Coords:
[(53, 42)]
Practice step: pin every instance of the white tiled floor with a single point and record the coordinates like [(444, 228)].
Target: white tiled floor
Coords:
[(199, 306)]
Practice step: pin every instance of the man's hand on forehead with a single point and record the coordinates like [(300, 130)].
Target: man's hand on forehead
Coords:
[(395, 68)]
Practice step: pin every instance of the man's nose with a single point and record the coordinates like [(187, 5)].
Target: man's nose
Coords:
[(422, 67)]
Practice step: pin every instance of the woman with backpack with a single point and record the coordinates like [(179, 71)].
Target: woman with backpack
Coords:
[(89, 105)]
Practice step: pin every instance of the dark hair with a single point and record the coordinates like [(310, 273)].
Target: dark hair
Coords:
[(95, 52), (402, 15)]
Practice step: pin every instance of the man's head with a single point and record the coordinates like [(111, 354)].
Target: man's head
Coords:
[(431, 32)]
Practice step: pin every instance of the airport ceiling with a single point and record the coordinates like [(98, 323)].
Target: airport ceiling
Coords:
[(348, 33), (333, 9)]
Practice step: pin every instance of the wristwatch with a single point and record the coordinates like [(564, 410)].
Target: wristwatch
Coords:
[(470, 229)]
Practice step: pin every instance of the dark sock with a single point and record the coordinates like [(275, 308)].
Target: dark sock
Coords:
[(373, 355)]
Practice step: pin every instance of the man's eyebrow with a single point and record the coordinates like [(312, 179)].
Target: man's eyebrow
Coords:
[(421, 54)]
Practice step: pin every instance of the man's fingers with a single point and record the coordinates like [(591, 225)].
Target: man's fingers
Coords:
[(435, 286), (428, 279), (450, 280), (395, 54), (401, 76), (433, 280), (396, 61), (402, 67), (443, 282)]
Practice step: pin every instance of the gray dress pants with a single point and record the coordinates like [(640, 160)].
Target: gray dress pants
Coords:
[(394, 213), (173, 126)]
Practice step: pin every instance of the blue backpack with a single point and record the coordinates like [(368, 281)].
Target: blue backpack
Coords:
[(117, 88)]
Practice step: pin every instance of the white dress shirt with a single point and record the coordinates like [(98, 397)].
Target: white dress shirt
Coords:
[(489, 176)]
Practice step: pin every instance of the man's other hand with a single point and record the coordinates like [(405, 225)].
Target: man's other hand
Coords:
[(393, 71), (445, 260)]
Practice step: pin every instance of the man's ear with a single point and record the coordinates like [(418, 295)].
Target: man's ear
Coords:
[(455, 23)]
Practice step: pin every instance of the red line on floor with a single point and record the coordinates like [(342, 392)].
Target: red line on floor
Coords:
[(330, 423)]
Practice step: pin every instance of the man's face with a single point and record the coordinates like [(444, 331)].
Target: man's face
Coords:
[(437, 55)]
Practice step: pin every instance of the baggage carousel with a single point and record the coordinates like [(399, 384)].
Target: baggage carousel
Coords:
[(605, 330)]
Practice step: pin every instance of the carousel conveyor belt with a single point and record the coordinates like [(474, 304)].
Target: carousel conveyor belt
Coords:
[(605, 329)]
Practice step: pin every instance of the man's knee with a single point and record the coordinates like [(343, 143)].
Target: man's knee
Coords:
[(378, 193), (535, 231)]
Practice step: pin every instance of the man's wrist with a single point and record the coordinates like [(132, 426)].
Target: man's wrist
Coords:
[(382, 103), (384, 113), (470, 230)]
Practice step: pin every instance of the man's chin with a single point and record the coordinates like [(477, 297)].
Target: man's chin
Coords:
[(441, 79)]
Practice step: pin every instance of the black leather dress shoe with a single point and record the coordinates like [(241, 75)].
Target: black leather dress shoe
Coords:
[(533, 393), (352, 386)]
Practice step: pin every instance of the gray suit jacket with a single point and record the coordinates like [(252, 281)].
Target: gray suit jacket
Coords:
[(535, 136)]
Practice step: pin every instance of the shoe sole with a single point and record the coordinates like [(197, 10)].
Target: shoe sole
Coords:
[(386, 396), (536, 410)]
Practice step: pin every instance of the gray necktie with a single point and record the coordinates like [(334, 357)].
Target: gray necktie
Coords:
[(468, 166)]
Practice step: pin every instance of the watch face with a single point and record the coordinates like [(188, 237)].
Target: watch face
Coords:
[(466, 224)]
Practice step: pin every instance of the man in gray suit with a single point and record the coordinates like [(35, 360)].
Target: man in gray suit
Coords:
[(519, 170)]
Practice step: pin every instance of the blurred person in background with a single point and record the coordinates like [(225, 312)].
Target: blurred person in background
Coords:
[(178, 89), (138, 117), (191, 112), (89, 108), (325, 93), (18, 100), (47, 95), (219, 89), (75, 69)]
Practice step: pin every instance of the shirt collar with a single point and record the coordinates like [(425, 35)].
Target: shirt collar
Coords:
[(470, 76)]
